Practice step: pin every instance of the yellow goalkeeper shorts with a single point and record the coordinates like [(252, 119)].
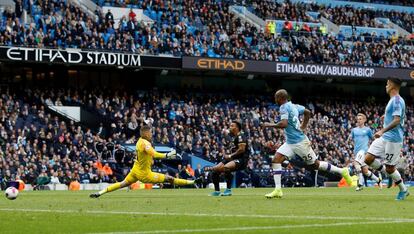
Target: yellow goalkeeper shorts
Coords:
[(144, 177)]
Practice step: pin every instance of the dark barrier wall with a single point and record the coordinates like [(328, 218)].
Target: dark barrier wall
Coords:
[(279, 68), (87, 57), (131, 60)]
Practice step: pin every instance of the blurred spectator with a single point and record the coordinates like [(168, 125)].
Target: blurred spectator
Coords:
[(54, 178), (109, 16), (190, 170), (198, 172), (42, 179), (132, 15)]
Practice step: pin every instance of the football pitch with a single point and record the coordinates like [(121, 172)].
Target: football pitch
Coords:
[(301, 210)]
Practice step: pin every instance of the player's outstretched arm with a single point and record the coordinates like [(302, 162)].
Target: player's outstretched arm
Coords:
[(281, 124), (151, 151)]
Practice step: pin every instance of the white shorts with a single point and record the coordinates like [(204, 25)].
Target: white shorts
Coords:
[(302, 149), (360, 158), (386, 150)]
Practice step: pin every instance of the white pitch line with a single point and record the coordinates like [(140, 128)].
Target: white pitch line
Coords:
[(256, 228), (211, 215)]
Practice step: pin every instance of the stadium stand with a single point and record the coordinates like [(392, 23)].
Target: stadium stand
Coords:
[(182, 30), (34, 142), (198, 126)]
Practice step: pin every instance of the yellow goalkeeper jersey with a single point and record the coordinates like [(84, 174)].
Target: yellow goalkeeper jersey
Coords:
[(144, 155)]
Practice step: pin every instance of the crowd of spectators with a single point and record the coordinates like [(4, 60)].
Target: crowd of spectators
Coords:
[(367, 17), (283, 11), (341, 15), (201, 29), (34, 143), (37, 146), (351, 16)]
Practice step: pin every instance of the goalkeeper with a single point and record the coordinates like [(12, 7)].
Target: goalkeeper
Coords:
[(141, 171)]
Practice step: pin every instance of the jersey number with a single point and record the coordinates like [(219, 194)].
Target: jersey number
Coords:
[(307, 157), (296, 122), (389, 157)]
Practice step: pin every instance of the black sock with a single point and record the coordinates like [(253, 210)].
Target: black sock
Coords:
[(229, 179), (216, 180)]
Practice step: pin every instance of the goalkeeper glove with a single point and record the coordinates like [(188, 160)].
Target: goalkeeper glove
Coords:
[(171, 155)]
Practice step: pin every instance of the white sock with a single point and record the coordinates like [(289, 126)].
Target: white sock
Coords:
[(361, 181), (324, 166), (277, 174), (396, 177), (360, 175), (377, 165), (372, 176)]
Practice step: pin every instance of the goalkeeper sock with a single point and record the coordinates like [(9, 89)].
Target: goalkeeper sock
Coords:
[(110, 188), (182, 182)]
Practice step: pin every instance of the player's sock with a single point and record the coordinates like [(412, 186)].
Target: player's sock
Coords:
[(229, 179), (361, 180), (396, 177), (216, 180), (325, 166), (182, 182), (277, 174), (365, 180), (377, 165), (372, 176), (358, 171), (110, 188)]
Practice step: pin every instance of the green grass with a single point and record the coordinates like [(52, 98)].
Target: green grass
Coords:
[(309, 210)]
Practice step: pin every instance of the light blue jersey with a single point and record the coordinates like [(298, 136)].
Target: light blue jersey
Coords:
[(395, 107), (291, 112), (361, 137)]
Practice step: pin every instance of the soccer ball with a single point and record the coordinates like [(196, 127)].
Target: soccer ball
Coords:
[(11, 193)]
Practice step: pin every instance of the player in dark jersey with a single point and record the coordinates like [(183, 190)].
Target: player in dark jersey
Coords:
[(235, 161)]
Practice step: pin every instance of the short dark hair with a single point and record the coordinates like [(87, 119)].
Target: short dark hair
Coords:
[(395, 80), (144, 128), (238, 124)]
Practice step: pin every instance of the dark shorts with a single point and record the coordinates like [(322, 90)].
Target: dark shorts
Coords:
[(241, 163)]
